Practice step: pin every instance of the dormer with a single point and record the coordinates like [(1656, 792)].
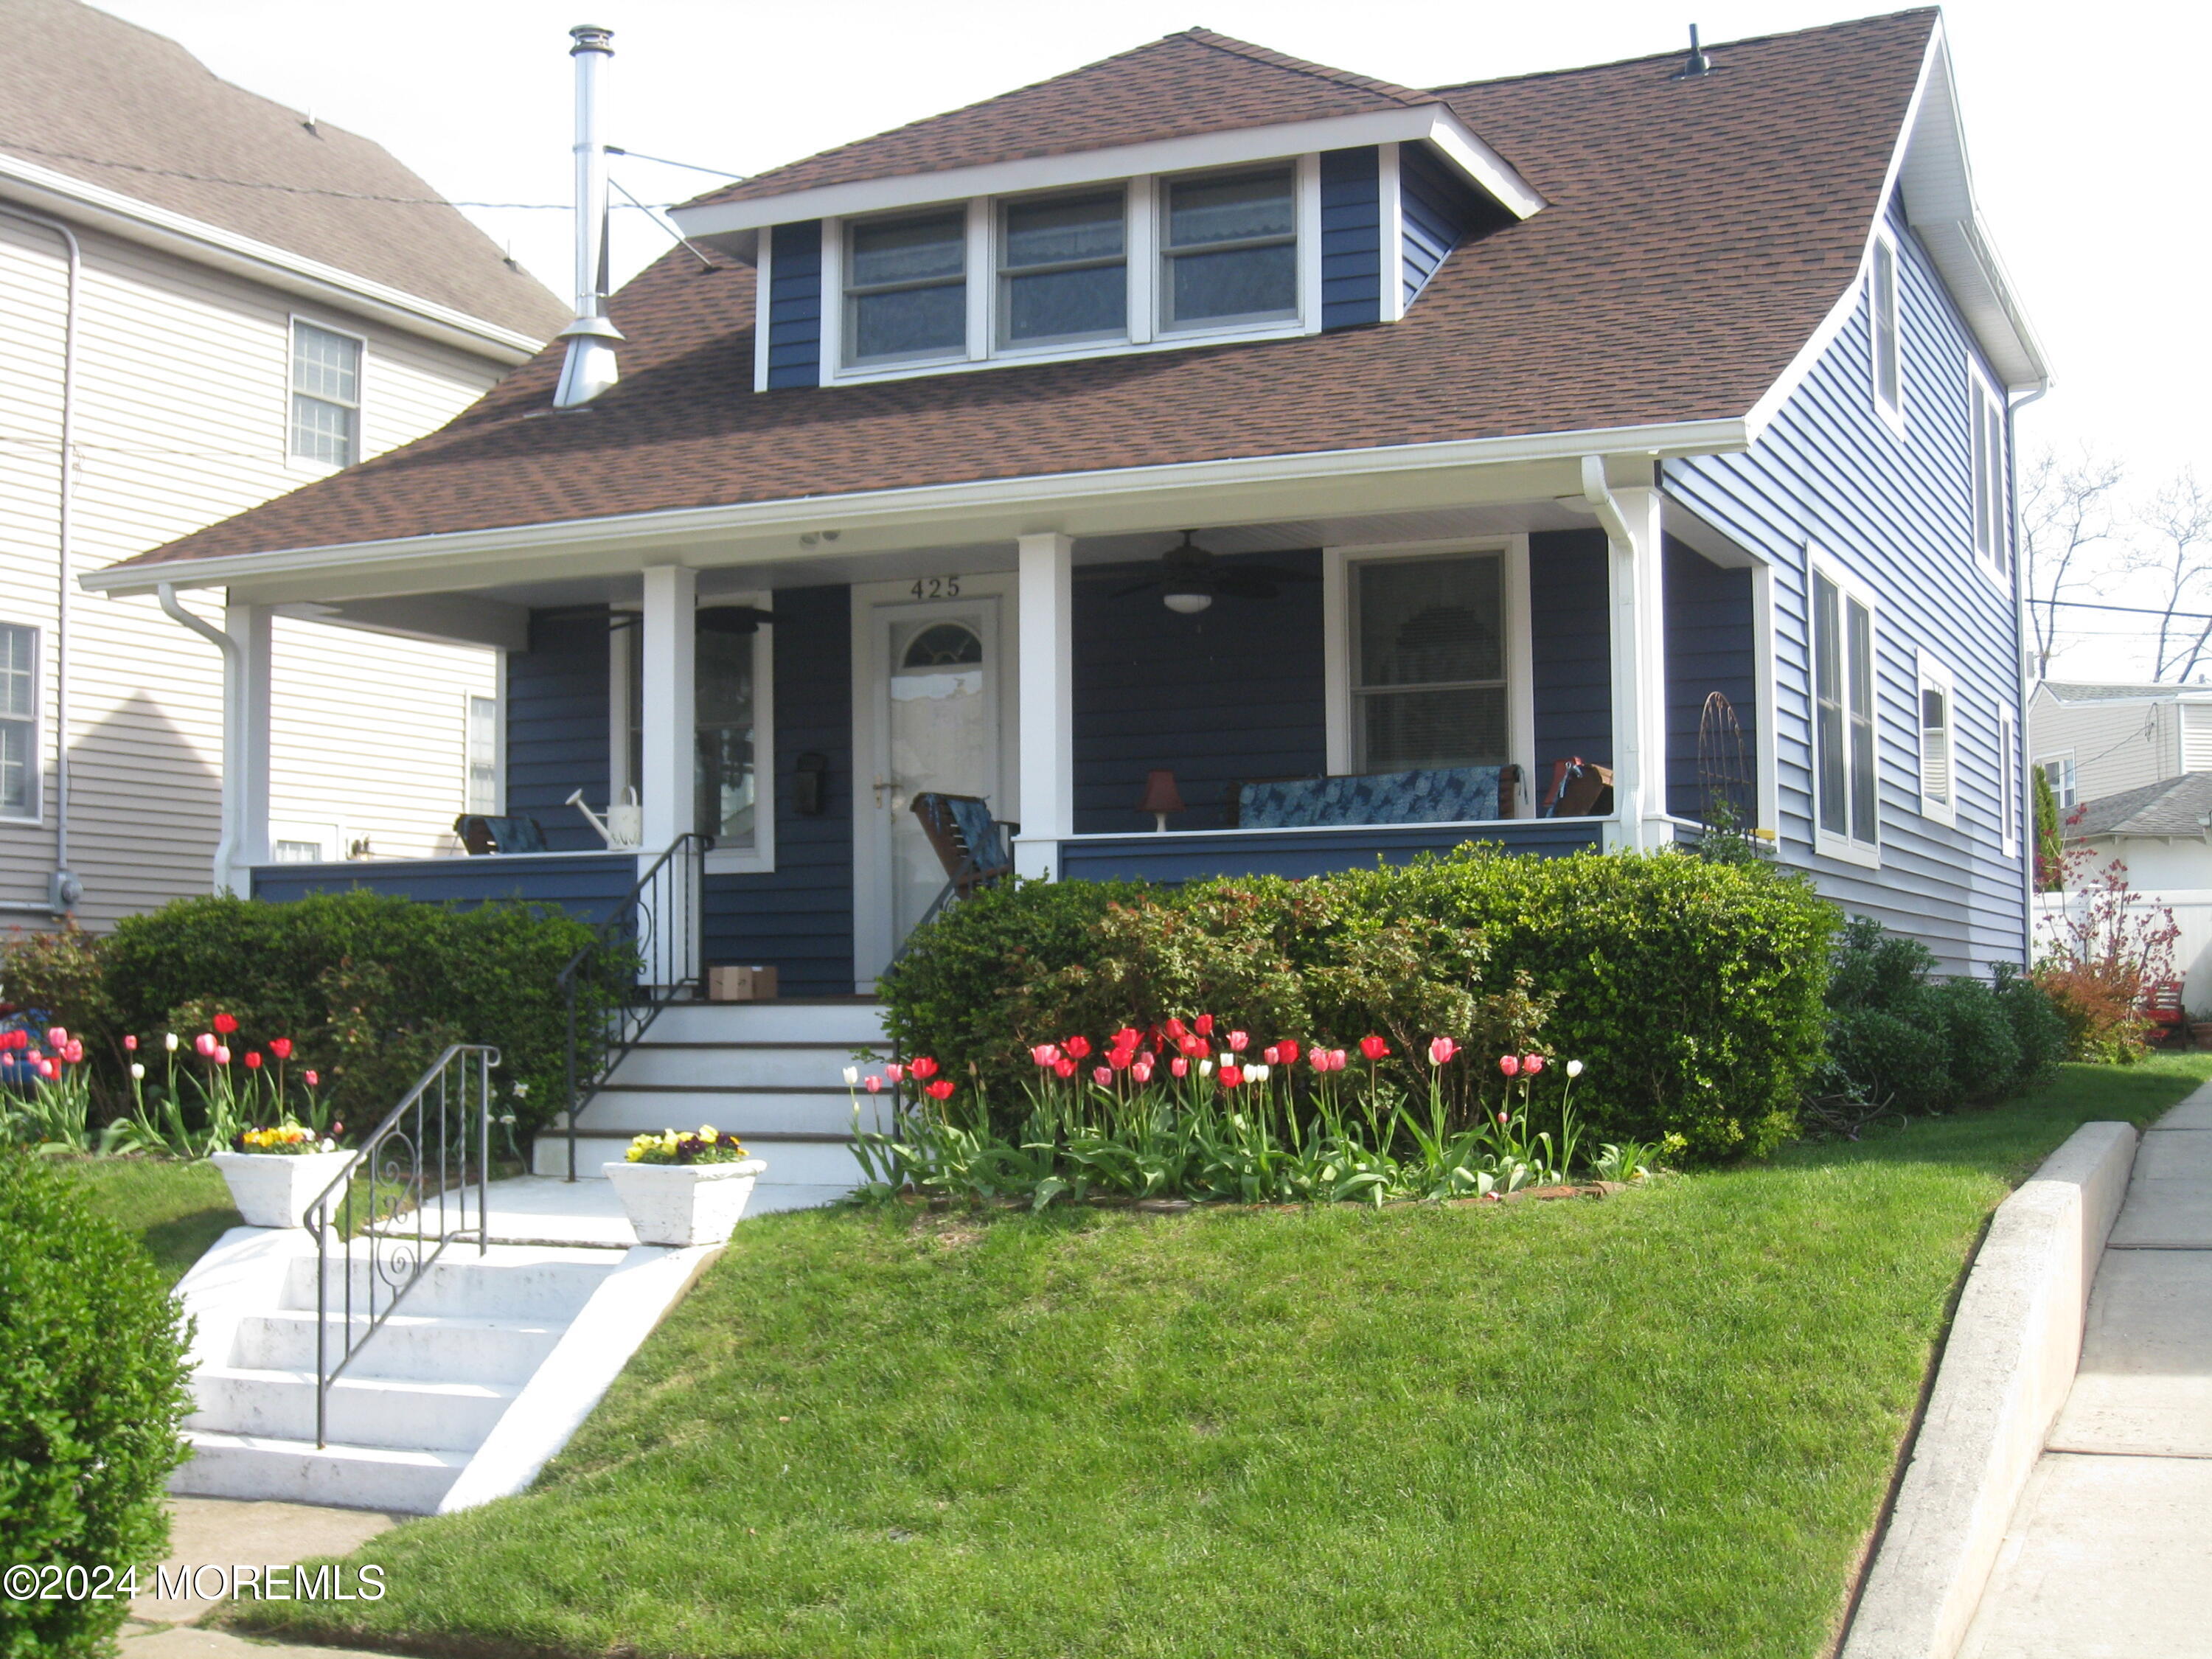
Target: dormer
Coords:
[(1074, 219)]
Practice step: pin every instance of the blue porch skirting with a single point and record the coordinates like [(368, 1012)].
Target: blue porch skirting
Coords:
[(587, 885), (1184, 857)]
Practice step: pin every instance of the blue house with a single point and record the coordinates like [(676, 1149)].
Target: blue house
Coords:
[(1207, 412)]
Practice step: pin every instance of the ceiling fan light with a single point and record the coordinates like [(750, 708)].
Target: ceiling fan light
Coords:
[(1187, 602)]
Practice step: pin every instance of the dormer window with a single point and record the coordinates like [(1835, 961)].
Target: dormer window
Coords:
[(906, 289), (1064, 269), (1230, 255)]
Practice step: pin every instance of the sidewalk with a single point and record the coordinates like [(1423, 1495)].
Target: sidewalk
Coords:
[(222, 1530), (2110, 1551)]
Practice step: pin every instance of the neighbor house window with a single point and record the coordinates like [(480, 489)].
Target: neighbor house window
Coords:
[(1428, 662), (2065, 786), (484, 755), (19, 721), (2009, 805), (326, 396), (1992, 544), (1888, 373), (1938, 784), (1229, 251), (1844, 734), (1063, 268), (906, 287)]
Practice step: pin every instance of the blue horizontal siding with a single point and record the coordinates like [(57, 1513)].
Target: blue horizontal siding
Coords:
[(1709, 648), (1894, 512), (1350, 237), (1571, 641), (1438, 212), (1296, 852), (1231, 694), (794, 304), (586, 885), (556, 725)]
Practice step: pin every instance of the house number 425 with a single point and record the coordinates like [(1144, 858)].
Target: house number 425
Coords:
[(936, 588)]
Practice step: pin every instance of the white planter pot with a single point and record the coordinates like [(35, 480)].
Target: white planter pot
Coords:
[(273, 1189), (683, 1203)]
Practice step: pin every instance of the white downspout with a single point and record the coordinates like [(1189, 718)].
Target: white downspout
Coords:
[(233, 664), (66, 890)]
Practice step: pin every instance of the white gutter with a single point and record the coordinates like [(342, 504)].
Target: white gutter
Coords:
[(233, 664), (101, 209), (913, 509), (1602, 501), (64, 889)]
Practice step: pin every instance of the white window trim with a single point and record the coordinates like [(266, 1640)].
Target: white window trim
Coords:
[(1930, 675), (2061, 757), (1996, 564), (498, 701), (300, 463), (2012, 805), (1845, 848), (1892, 413), (1145, 202), (1336, 647), (332, 837), (759, 858), (32, 813)]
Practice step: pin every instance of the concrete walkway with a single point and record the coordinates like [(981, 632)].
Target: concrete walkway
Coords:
[(229, 1533), (2109, 1551)]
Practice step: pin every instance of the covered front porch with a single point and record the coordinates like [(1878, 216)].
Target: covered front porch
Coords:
[(785, 696)]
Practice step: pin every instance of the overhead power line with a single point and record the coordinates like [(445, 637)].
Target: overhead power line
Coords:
[(2132, 609)]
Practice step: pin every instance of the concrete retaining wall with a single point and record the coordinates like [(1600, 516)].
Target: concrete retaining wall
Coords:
[(2007, 1367)]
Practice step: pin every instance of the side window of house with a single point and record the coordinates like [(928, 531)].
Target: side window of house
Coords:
[(1844, 734), (1229, 253), (1938, 786), (484, 755), (1888, 369), (1992, 537), (2008, 792), (2059, 773), (1429, 662), (19, 721), (326, 396)]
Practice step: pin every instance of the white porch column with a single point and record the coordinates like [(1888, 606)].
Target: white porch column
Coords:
[(1046, 639), (668, 790), (1632, 520), (245, 685)]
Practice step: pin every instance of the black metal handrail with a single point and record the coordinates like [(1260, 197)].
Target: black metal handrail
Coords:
[(435, 1142), (657, 929)]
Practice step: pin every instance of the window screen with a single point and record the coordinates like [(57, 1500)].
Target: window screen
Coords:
[(906, 287), (326, 396), (484, 755), (1429, 667), (19, 721), (1063, 273)]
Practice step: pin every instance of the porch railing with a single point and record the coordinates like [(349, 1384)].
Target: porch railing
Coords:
[(653, 935), (418, 1182)]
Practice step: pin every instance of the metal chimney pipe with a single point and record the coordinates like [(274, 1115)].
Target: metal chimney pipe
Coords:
[(590, 367)]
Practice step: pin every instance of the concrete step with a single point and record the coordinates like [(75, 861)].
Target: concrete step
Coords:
[(408, 1346), (350, 1477), (827, 1164), (539, 1283), (760, 1066), (623, 1110), (850, 1023), (374, 1411)]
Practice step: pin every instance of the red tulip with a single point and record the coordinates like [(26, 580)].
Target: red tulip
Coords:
[(1178, 1066), (1063, 1068), (1373, 1048), (311, 1081), (1045, 1052), (1203, 1025), (1120, 1059), (281, 1047), (1175, 1029), (1440, 1050), (1532, 1064), (1127, 1037), (253, 1060), (940, 1089), (1510, 1064), (921, 1066), (1102, 1076), (1078, 1048), (1231, 1075), (225, 1024), (130, 1043)]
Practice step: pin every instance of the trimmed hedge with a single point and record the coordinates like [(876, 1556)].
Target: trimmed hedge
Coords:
[(1692, 991), (92, 1386)]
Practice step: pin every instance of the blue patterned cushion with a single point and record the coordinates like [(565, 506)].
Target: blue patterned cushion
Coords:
[(1441, 795), (986, 840)]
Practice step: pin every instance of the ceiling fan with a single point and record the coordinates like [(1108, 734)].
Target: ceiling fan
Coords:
[(1190, 577)]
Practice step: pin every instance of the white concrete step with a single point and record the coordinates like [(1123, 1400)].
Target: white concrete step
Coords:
[(758, 1065), (350, 1477), (852, 1023), (377, 1412), (736, 1108), (408, 1346), (539, 1283), (827, 1164)]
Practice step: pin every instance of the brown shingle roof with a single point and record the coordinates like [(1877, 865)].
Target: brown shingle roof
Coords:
[(1698, 233), (1185, 84), (116, 106)]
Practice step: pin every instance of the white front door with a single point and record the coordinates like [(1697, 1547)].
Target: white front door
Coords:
[(935, 680)]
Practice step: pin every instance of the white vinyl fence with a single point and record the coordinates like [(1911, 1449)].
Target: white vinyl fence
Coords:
[(2191, 908)]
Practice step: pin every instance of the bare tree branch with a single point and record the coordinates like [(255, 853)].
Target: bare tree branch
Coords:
[(2178, 522), (2066, 511)]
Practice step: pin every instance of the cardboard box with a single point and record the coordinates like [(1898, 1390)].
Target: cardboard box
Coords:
[(741, 984)]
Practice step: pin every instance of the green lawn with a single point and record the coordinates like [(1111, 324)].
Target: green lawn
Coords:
[(177, 1209), (1658, 1425)]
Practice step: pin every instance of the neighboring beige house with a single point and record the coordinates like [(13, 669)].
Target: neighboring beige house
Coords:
[(212, 300), (2161, 831), (2092, 741)]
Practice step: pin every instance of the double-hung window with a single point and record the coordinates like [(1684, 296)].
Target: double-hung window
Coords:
[(483, 790), (1229, 254), (1992, 540), (1846, 812), (1888, 368), (906, 287), (326, 396), (1064, 269), (1428, 669), (2065, 784), (1939, 787), (19, 721)]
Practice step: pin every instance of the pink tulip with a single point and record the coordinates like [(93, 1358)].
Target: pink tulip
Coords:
[(1272, 1054), (1501, 1117), (875, 1084), (1238, 1040), (895, 1073), (222, 1054), (57, 1037), (1532, 1064), (204, 1045), (1102, 1076), (130, 1042), (1336, 1058), (1045, 1052), (74, 1052), (1318, 1060), (1510, 1064), (48, 1070), (1178, 1066), (1142, 1071), (311, 1081), (1441, 1049)]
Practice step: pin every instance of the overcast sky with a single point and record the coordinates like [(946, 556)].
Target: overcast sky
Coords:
[(2085, 124)]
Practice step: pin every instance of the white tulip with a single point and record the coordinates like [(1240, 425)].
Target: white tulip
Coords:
[(169, 1040), (1574, 1069), (138, 1072), (851, 1075), (1205, 1068)]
